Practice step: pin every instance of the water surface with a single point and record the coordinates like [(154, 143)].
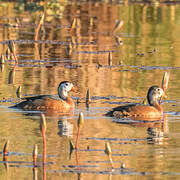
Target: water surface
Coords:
[(148, 46)]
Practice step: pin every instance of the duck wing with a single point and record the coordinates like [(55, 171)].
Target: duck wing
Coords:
[(36, 97), (121, 110), (135, 110), (35, 102)]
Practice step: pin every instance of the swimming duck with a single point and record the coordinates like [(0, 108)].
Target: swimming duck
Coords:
[(63, 103), (153, 110)]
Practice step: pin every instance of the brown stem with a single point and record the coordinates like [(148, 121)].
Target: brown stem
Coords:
[(35, 173), (6, 164), (77, 138), (5, 149), (111, 161), (35, 154), (44, 153), (38, 27), (15, 57), (77, 158), (37, 32)]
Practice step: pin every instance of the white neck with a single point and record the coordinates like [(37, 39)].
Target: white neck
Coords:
[(63, 94), (153, 99)]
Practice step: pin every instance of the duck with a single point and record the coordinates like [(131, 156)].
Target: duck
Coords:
[(63, 103), (152, 110)]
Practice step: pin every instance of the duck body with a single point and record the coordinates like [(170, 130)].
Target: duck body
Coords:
[(63, 103), (153, 110), (46, 102), (135, 110)]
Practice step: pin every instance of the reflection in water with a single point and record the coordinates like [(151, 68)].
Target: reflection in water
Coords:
[(147, 44), (5, 154), (79, 176), (65, 127), (1, 67), (11, 77), (71, 148), (35, 173), (157, 134), (156, 130), (6, 164), (139, 121)]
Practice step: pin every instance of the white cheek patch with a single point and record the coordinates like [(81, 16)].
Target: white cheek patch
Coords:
[(156, 94), (160, 93), (66, 87), (70, 86)]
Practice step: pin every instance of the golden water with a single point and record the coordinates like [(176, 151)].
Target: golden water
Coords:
[(149, 46)]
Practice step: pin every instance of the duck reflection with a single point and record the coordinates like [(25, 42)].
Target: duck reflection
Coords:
[(156, 128), (140, 121), (158, 134), (65, 127)]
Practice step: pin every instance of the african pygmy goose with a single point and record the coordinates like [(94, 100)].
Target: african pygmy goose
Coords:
[(154, 109), (63, 103)]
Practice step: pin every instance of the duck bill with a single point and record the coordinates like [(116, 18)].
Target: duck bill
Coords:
[(73, 89), (163, 96)]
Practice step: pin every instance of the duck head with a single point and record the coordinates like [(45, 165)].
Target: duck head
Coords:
[(154, 94), (63, 89)]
